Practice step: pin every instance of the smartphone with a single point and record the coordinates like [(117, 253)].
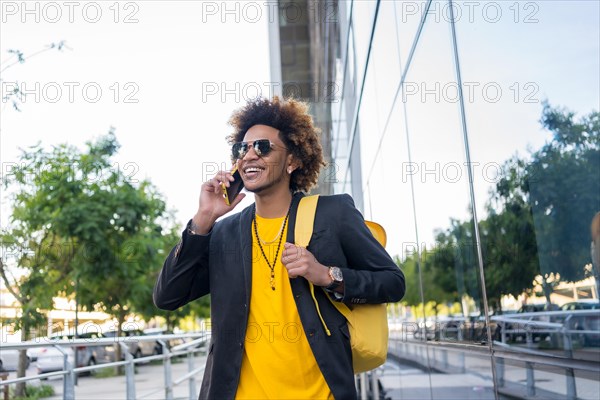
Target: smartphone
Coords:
[(235, 187)]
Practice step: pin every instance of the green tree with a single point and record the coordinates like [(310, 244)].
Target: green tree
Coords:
[(551, 198), (409, 267), (199, 308), (17, 245), (428, 273), (12, 90), (452, 265), (112, 231), (563, 184), (509, 246), (31, 270)]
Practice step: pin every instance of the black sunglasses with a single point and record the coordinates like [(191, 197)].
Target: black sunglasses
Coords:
[(262, 147)]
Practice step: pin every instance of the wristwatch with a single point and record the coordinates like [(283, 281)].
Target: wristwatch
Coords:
[(337, 278)]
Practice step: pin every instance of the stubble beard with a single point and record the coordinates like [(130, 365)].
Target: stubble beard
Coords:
[(267, 185)]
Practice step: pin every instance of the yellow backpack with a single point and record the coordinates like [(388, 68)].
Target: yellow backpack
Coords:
[(367, 323)]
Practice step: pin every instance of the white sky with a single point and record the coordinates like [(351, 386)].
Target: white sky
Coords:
[(530, 51), (172, 52), (170, 56)]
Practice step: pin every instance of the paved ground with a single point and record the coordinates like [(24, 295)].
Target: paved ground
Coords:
[(405, 382), (402, 380), (469, 376), (149, 383)]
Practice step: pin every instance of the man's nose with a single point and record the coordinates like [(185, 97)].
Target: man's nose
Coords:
[(250, 154)]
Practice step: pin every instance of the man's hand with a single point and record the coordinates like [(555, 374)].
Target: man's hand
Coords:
[(300, 262), (211, 204)]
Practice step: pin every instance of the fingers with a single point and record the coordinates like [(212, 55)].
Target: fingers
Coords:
[(291, 253), (294, 273), (296, 260), (214, 184)]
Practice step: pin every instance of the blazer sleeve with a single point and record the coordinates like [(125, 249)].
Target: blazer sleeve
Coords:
[(372, 276), (184, 275)]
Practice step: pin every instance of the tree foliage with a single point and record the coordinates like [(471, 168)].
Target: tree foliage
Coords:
[(562, 182), (537, 224), (82, 223)]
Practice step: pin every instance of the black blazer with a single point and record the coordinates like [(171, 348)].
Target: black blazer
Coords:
[(220, 263)]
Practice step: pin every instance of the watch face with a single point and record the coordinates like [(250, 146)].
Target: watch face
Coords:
[(336, 274)]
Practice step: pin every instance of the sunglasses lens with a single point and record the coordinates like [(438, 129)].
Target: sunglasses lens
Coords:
[(239, 149), (262, 147)]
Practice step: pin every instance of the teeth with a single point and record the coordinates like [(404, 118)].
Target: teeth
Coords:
[(252, 169)]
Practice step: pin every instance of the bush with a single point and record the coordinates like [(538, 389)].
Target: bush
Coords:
[(36, 392)]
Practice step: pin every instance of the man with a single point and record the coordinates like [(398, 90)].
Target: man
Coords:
[(268, 340)]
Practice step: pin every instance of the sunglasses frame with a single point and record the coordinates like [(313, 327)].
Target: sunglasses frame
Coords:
[(244, 147)]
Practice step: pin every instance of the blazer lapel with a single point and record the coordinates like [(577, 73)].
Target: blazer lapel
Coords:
[(296, 284), (246, 247), (290, 238)]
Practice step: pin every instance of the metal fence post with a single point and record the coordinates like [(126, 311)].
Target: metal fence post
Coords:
[(461, 362), (167, 366), (500, 371), (192, 381), (528, 365), (569, 372), (530, 379), (445, 358), (374, 385), (129, 372), (68, 378), (363, 386)]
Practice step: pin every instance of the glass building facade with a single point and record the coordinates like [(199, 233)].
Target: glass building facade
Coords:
[(470, 130)]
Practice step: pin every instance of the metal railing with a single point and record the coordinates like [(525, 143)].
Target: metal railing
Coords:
[(530, 325), (69, 371), (558, 325), (456, 358), (367, 383), (559, 322)]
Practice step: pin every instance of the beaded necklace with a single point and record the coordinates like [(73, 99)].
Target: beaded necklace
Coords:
[(259, 240)]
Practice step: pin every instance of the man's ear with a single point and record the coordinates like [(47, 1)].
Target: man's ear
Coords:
[(292, 164)]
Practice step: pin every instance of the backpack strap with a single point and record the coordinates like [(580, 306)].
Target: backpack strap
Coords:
[(305, 218)]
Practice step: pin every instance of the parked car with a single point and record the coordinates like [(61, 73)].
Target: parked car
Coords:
[(9, 359), (584, 322), (520, 329), (160, 331), (137, 348), (51, 359), (34, 352), (156, 347)]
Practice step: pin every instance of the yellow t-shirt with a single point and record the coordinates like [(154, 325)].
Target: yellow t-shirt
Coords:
[(278, 362)]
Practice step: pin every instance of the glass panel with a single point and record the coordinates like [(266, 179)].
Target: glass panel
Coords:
[(532, 101), (537, 188), (350, 76), (362, 24), (384, 64), (369, 125), (441, 185), (408, 17), (522, 379), (453, 295)]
